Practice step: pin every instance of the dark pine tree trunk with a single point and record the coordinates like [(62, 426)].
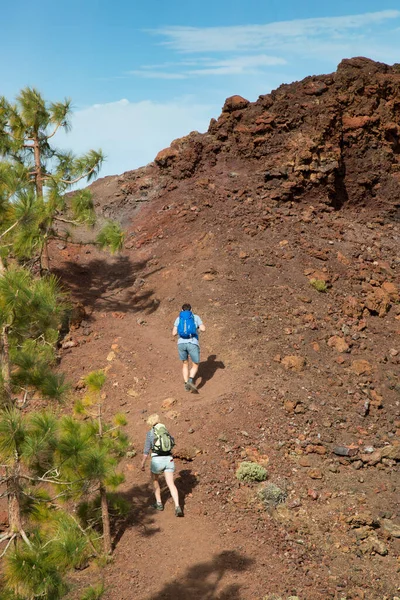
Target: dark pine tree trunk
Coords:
[(105, 517), (44, 258), (5, 361), (14, 502)]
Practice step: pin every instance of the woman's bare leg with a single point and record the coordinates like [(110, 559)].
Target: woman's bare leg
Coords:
[(157, 489), (169, 478)]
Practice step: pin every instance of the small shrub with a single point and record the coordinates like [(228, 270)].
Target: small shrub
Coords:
[(249, 471), (319, 285), (272, 495), (93, 592)]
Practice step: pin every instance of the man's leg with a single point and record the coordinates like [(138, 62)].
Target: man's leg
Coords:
[(157, 489), (194, 353), (185, 370), (184, 356), (193, 370)]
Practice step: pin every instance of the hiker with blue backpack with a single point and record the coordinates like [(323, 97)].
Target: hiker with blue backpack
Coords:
[(159, 443), (187, 327)]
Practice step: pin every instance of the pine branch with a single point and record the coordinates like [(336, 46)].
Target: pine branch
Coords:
[(53, 481), (84, 533), (25, 537), (54, 132), (9, 542), (10, 228), (67, 241), (72, 181), (66, 221)]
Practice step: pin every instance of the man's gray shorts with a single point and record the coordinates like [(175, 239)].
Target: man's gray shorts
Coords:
[(189, 349)]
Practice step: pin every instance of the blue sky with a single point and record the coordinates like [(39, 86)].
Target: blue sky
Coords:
[(143, 73)]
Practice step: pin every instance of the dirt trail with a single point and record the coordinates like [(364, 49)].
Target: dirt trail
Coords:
[(158, 555), (174, 558)]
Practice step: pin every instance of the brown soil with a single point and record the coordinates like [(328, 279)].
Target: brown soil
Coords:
[(288, 373)]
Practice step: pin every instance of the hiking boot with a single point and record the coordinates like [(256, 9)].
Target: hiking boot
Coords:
[(178, 512), (190, 386), (157, 506)]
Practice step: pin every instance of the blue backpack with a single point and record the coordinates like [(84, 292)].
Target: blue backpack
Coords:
[(187, 327)]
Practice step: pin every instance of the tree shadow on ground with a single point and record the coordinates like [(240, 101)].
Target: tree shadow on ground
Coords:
[(109, 285), (141, 498), (207, 370), (201, 581)]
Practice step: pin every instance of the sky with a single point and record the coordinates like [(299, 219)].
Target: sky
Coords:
[(141, 74)]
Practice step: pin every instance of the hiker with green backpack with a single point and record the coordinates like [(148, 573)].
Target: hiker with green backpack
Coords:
[(187, 327), (159, 442)]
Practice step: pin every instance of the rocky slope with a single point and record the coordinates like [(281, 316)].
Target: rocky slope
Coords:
[(331, 140), (281, 226)]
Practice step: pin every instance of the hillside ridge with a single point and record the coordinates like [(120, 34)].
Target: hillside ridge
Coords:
[(280, 225)]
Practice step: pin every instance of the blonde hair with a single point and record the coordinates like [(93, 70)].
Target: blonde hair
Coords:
[(153, 420)]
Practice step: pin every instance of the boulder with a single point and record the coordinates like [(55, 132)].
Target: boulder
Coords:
[(353, 307), (391, 528), (165, 157), (392, 452), (294, 363), (235, 103), (391, 290), (378, 302), (361, 367), (373, 545), (315, 474), (168, 403), (338, 343)]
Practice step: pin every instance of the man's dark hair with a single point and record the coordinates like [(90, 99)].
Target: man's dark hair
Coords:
[(186, 307)]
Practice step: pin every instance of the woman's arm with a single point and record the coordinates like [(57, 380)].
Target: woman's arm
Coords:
[(144, 458), (147, 447)]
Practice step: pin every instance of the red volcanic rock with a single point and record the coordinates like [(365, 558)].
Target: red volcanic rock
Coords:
[(355, 122), (165, 157), (235, 103), (330, 140)]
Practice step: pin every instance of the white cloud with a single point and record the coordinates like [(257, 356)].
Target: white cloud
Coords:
[(238, 65), (153, 74), (131, 134), (271, 35)]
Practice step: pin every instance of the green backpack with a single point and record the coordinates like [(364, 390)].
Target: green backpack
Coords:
[(163, 442)]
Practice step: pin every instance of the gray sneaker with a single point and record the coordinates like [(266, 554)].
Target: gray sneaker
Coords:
[(157, 506), (178, 512), (190, 386), (187, 388)]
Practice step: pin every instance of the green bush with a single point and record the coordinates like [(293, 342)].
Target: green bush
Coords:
[(319, 285), (249, 471), (93, 592), (272, 495)]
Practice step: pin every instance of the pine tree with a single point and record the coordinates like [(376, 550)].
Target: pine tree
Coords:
[(48, 541), (27, 446), (94, 449), (31, 314), (35, 177)]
